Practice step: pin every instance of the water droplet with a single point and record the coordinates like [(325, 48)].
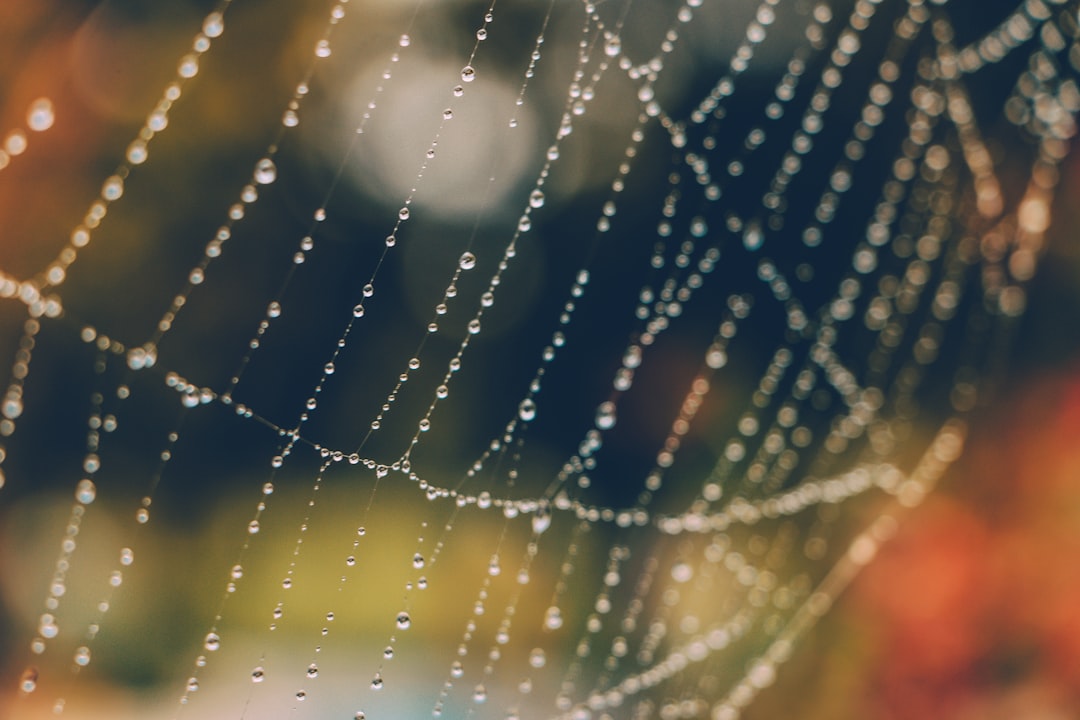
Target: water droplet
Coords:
[(82, 656), (403, 620), (474, 326), (479, 694), (301, 696), (403, 41), (541, 521), (322, 48), (189, 66), (613, 46), (537, 658), (527, 409), (213, 25), (136, 152), (113, 188), (313, 670), (418, 561), (553, 618), (377, 682), (468, 73), (85, 491), (605, 415), (258, 675), (212, 641), (192, 684), (28, 679), (467, 261), (265, 171), (40, 116), (536, 198)]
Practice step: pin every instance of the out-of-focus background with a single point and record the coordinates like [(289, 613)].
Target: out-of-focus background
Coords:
[(969, 612)]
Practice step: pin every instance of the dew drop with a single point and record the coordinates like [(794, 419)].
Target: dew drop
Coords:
[(418, 561), (605, 415), (189, 66), (40, 116), (113, 188), (82, 656), (467, 261), (457, 669), (85, 491), (313, 670), (541, 520), (213, 25), (28, 680), (468, 73), (479, 694), (301, 696), (536, 198), (377, 682), (613, 46), (136, 152), (258, 675), (403, 620), (537, 658), (527, 409), (265, 171), (212, 641)]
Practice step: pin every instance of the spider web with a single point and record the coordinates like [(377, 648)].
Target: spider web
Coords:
[(521, 360)]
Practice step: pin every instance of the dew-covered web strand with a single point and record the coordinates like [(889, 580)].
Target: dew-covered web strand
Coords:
[(329, 367), (264, 172), (534, 59), (40, 116), (35, 293), (137, 153), (404, 213), (85, 493)]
